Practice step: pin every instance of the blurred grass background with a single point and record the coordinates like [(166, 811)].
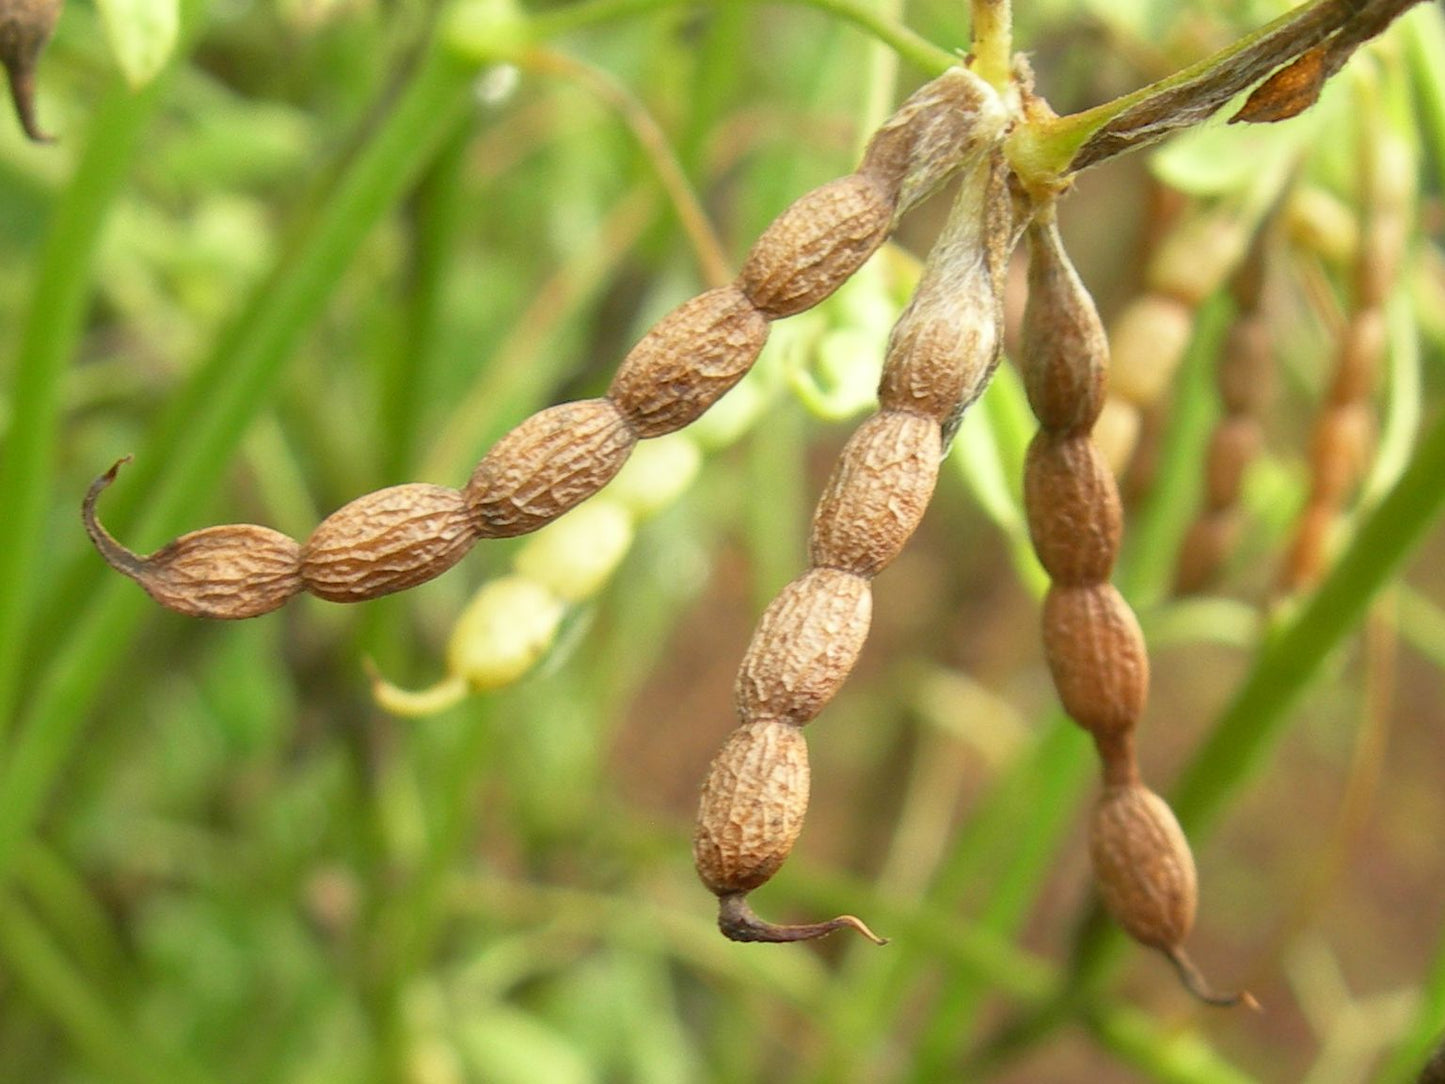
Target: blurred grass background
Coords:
[(323, 253)]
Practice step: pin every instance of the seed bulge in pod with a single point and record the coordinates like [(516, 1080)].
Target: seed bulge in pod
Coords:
[(1362, 347), (752, 806), (386, 541), (1244, 376), (1073, 508), (934, 132), (1143, 866), (946, 344), (1340, 451), (1096, 654), (1233, 446), (814, 246), (230, 572), (878, 492), (805, 646), (1210, 541), (1146, 343), (1065, 352), (689, 359), (553, 461)]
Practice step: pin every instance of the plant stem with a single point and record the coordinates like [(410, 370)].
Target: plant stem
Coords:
[(917, 50), (993, 41), (192, 445)]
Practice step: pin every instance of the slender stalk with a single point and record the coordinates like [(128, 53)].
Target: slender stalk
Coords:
[(192, 446), (113, 1045), (917, 50), (993, 41), (52, 329)]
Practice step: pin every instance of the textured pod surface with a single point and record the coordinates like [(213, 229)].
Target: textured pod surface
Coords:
[(553, 461), (689, 359), (387, 541), (752, 806), (1095, 651), (231, 572), (878, 492), (935, 131), (814, 246), (805, 646), (1065, 352), (1073, 508), (25, 27), (1143, 867)]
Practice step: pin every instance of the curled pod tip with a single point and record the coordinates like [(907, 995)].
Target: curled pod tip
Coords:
[(1199, 988), (229, 572), (738, 922), (25, 27)]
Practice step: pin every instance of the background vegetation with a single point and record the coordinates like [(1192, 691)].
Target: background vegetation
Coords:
[(326, 250)]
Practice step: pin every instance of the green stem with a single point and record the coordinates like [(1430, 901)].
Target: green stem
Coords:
[(993, 42), (917, 50), (113, 1045), (193, 444), (48, 341)]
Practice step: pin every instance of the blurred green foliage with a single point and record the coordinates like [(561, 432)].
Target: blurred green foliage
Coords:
[(327, 250)]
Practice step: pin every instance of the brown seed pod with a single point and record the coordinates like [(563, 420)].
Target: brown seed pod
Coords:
[(229, 572), (748, 819), (689, 359), (1340, 451), (1233, 446), (1244, 375), (805, 646), (816, 245), (937, 128), (878, 492), (1210, 541), (1145, 875), (1065, 351), (387, 541), (1361, 351), (1096, 654), (1074, 514), (947, 343), (551, 462), (25, 27)]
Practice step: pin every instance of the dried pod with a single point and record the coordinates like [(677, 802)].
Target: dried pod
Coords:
[(1362, 349), (1340, 451), (934, 132), (230, 572), (689, 359), (1065, 352), (1305, 560), (814, 246), (878, 492), (946, 344), (1096, 654), (553, 461), (387, 541), (25, 27), (1244, 375), (1210, 541), (805, 645), (1146, 343), (1198, 255), (1233, 446), (748, 819), (1073, 508), (1145, 875)]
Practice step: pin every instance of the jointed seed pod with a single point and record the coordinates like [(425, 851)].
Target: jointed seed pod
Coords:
[(805, 646), (1074, 514), (1146, 878), (688, 360), (553, 461), (25, 27), (387, 541), (749, 817), (815, 245), (878, 493), (230, 572)]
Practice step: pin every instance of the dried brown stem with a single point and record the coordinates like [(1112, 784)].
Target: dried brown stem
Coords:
[(738, 922), (1200, 989)]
